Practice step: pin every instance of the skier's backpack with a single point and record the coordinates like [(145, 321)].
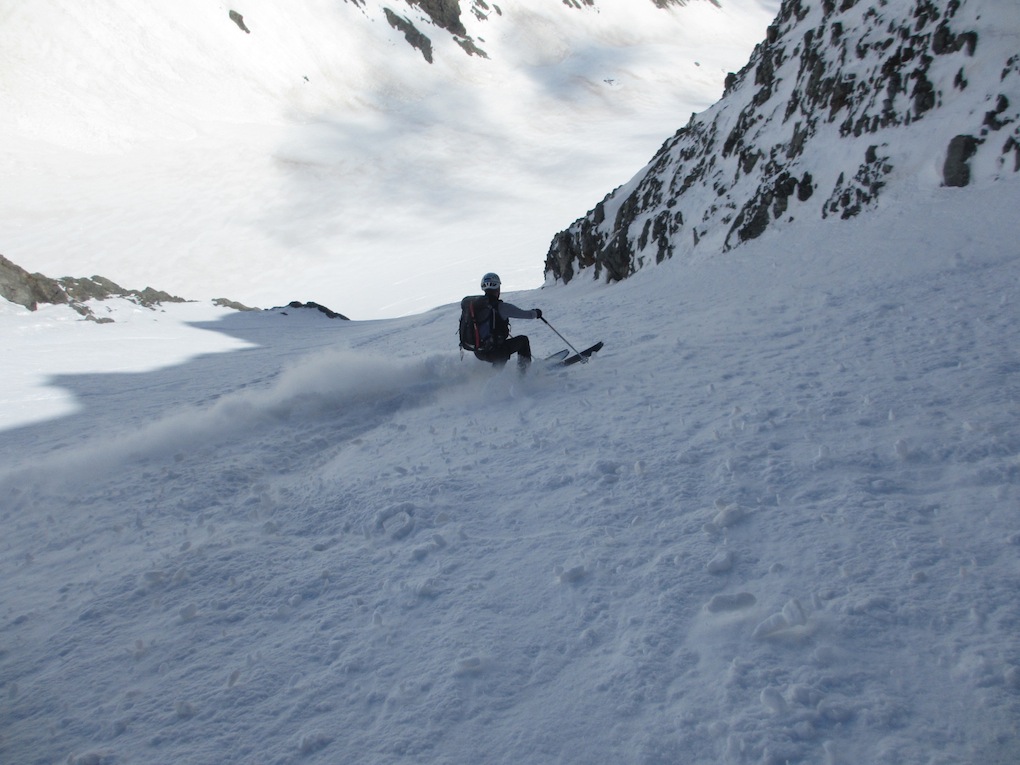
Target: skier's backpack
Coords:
[(476, 323)]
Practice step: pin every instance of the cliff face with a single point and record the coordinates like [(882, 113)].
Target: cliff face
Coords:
[(844, 100), (29, 290)]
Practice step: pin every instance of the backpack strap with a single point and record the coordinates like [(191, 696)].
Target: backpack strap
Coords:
[(500, 324), (474, 324)]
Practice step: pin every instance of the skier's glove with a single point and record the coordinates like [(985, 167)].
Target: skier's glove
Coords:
[(538, 313)]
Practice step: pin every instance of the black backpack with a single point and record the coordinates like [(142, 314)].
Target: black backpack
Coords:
[(480, 326)]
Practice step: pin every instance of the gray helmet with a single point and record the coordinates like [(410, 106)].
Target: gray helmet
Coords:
[(490, 281)]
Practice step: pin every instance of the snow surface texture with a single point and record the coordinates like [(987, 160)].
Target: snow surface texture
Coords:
[(158, 144), (774, 521)]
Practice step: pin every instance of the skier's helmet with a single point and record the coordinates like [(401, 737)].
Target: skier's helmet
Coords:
[(490, 281)]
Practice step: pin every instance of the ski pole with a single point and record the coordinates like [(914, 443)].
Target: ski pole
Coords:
[(561, 337)]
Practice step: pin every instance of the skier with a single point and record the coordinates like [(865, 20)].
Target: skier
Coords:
[(495, 321)]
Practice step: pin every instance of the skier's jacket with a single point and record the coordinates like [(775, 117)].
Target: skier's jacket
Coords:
[(485, 322)]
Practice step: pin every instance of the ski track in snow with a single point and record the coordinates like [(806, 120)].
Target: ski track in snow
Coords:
[(773, 521)]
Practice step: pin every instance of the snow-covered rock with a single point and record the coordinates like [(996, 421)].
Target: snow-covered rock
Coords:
[(843, 101)]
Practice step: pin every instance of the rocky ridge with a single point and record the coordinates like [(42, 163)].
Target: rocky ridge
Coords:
[(843, 99), (29, 290)]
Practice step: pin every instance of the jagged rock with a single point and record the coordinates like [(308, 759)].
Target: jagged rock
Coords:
[(956, 171), (482, 10), (445, 13), (80, 290), (232, 304), (1013, 145), (845, 73), (470, 48), (417, 40), (849, 198), (297, 304), (22, 288), (238, 19)]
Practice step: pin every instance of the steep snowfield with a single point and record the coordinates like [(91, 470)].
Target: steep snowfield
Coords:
[(320, 157), (774, 521)]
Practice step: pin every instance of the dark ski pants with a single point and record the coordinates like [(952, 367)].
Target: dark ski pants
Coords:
[(501, 354)]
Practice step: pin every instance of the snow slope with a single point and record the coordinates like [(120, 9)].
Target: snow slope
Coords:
[(320, 157), (774, 521)]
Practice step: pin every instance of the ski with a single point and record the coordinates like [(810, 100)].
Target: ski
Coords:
[(583, 355), (558, 356)]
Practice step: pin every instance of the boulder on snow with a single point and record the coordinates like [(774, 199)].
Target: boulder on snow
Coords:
[(238, 19), (956, 171)]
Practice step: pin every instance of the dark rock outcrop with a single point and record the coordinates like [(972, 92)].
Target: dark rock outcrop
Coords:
[(232, 305), (445, 14), (29, 290), (238, 19), (955, 170), (298, 305), (416, 39)]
